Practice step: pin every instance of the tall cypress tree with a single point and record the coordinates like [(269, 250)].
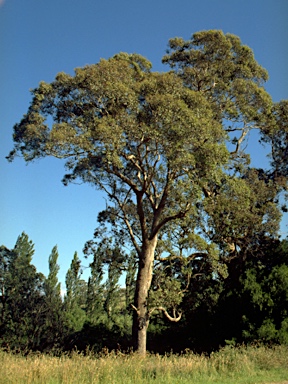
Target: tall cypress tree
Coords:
[(54, 316), (112, 303), (52, 287), (73, 301), (95, 291), (5, 257), (24, 304)]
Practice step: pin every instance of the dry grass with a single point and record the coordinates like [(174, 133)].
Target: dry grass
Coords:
[(230, 365)]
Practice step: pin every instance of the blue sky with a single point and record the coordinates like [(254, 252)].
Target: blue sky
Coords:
[(40, 38)]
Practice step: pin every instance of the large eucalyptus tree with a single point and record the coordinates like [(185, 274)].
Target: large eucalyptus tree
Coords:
[(156, 143)]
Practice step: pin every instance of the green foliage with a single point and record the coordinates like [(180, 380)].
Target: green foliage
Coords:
[(258, 291), (165, 291), (276, 133), (269, 298), (75, 298), (55, 321), (22, 297), (95, 291), (5, 256), (52, 287), (224, 70), (247, 306), (113, 296)]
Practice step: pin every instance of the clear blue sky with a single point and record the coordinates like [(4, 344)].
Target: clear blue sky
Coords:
[(40, 38)]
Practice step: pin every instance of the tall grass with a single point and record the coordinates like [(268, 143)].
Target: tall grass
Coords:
[(230, 365)]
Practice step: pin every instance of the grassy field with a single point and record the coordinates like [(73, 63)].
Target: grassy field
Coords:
[(228, 366)]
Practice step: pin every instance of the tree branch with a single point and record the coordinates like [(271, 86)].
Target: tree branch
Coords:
[(180, 257), (178, 215), (239, 141), (124, 218), (174, 318), (135, 309), (122, 177)]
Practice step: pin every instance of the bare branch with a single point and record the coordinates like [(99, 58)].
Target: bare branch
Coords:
[(239, 141), (234, 129), (206, 192), (133, 160), (135, 309), (188, 283), (122, 177), (174, 318)]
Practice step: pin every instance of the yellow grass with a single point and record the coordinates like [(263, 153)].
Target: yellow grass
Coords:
[(230, 365)]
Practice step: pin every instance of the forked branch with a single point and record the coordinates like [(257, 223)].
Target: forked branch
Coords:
[(175, 317)]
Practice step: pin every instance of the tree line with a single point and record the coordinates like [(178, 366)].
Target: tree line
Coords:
[(168, 149), (37, 315), (246, 304)]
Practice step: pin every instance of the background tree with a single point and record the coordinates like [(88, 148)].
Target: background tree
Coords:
[(265, 291), (6, 255), (109, 296), (24, 306), (114, 301), (52, 286), (95, 291), (75, 298), (130, 280), (154, 142), (55, 322)]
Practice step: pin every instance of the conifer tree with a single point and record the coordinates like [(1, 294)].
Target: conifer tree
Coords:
[(24, 318), (95, 291), (73, 300), (6, 256), (113, 299), (54, 316)]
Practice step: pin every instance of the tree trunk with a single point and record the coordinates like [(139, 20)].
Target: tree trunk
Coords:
[(143, 283)]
